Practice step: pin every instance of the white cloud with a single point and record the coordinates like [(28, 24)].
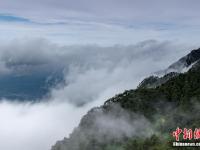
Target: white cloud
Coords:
[(105, 22), (25, 126), (124, 10), (93, 74)]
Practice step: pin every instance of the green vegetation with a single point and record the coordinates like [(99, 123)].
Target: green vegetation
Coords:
[(171, 104)]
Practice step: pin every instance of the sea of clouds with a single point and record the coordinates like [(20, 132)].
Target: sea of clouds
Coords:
[(92, 74)]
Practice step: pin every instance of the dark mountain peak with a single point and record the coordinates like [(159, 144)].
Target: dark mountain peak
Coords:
[(190, 61), (193, 56), (183, 64), (186, 61)]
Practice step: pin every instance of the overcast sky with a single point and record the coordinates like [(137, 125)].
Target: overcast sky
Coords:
[(104, 46), (102, 22)]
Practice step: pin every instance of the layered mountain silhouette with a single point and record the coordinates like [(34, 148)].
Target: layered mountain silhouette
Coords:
[(32, 86), (144, 118)]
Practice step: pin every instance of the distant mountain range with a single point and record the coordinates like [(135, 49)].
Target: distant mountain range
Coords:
[(144, 118), (31, 86)]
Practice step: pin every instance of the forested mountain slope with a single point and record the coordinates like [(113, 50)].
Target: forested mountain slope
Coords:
[(141, 119)]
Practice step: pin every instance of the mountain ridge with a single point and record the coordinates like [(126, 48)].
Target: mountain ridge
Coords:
[(183, 64), (160, 103)]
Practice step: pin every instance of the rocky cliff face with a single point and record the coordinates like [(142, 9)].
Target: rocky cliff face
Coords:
[(183, 64)]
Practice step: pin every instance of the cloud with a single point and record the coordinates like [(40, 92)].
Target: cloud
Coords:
[(89, 70), (82, 66), (92, 74), (116, 124), (25, 126), (123, 10), (105, 22), (119, 123)]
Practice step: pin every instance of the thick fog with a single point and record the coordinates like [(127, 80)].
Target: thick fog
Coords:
[(92, 75)]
